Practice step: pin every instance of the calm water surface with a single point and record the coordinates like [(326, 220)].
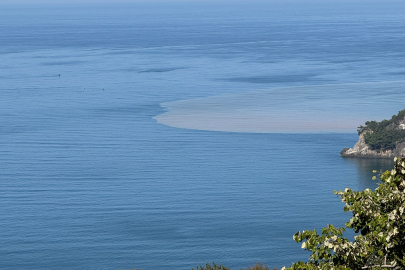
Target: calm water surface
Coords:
[(90, 180)]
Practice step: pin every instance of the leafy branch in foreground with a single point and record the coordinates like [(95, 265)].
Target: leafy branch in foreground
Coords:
[(213, 267), (378, 218), (257, 266)]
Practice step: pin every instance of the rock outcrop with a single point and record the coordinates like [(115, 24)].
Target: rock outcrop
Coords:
[(361, 149)]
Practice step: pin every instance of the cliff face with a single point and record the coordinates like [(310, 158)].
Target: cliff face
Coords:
[(361, 149)]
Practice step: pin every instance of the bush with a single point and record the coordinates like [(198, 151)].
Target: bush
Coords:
[(257, 266), (214, 267)]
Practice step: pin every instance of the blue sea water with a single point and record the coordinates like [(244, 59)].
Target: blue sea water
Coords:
[(89, 179)]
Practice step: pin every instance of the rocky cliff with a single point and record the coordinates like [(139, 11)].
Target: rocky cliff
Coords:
[(362, 149)]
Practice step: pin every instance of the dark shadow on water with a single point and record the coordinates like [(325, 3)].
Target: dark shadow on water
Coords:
[(396, 73), (135, 110), (62, 63), (273, 79), (160, 70), (365, 167)]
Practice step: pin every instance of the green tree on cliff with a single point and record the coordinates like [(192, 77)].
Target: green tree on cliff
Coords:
[(383, 135)]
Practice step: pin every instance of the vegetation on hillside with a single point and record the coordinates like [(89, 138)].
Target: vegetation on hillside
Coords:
[(382, 135)]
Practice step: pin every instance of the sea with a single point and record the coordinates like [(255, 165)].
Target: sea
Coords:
[(167, 135)]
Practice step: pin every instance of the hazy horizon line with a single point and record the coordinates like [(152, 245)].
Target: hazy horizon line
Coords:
[(91, 2)]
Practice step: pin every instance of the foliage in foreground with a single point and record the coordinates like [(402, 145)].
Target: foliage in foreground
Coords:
[(383, 135), (378, 217), (214, 267), (257, 266), (379, 221)]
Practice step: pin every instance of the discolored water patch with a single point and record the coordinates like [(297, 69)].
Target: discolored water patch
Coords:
[(320, 108)]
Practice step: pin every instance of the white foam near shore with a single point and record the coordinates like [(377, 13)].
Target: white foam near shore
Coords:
[(322, 108)]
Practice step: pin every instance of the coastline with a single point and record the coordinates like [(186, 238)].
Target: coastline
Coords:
[(362, 150)]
